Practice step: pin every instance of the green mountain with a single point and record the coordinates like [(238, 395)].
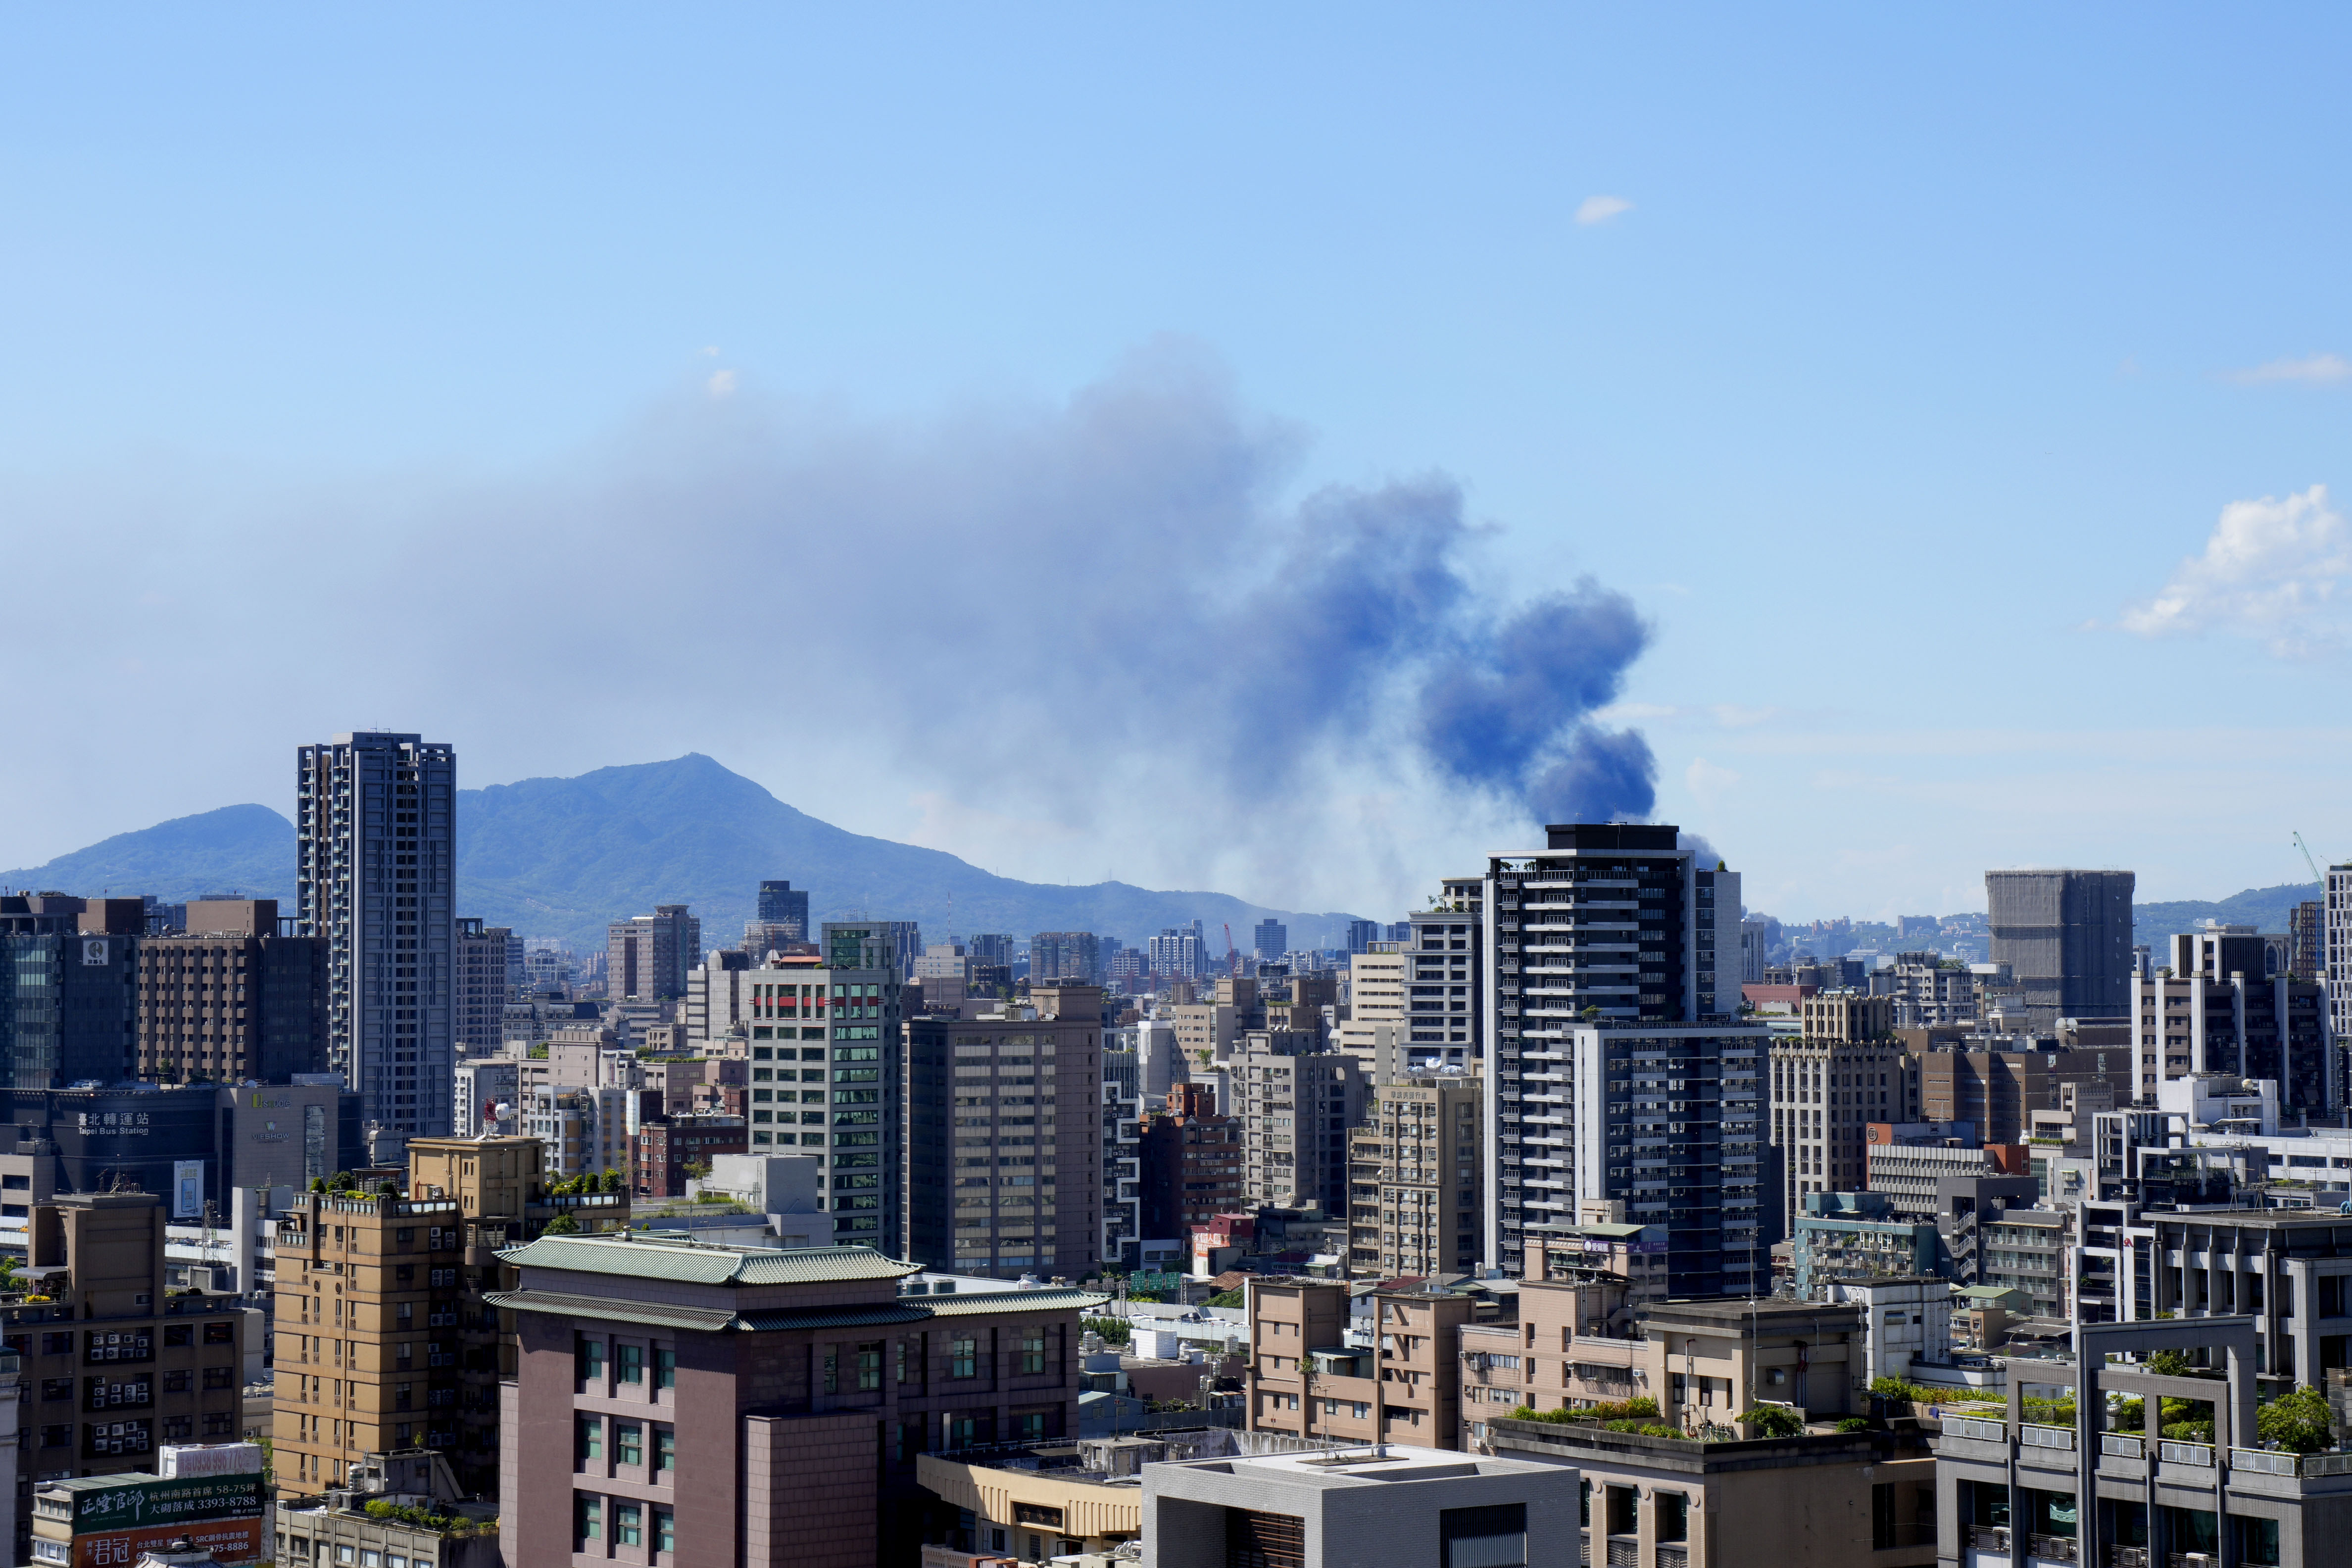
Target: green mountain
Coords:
[(561, 858), (2266, 909)]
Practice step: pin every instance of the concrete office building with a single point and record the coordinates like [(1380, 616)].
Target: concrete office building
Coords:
[(648, 957), (1607, 915), (831, 1033), (726, 1404), (1826, 1092), (375, 865), (231, 1000), (1412, 1204), (1362, 934), (1270, 941), (489, 964), (1309, 1510), (2218, 1012), (1296, 1102), (781, 904), (2067, 937), (69, 990), (1926, 993), (1004, 1137), (1057, 955), (1996, 1088)]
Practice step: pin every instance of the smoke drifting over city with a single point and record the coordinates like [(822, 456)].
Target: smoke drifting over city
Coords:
[(1095, 636)]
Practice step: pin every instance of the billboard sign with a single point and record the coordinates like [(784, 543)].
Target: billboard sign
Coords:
[(187, 1189), (142, 1500), (227, 1541)]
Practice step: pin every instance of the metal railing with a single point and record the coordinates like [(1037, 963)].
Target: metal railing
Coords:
[(2036, 1434), (2263, 1460), (1972, 1426), (2198, 1454), (2123, 1448), (2051, 1548), (1674, 1556)]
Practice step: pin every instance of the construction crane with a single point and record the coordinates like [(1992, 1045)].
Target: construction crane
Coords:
[(2307, 860)]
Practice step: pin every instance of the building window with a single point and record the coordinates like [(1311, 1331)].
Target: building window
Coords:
[(869, 1366), (1033, 1350), (628, 1443), (591, 1445), (665, 1448), (664, 1531), (964, 1357), (632, 1360), (589, 1357), (588, 1522), (665, 1369), (627, 1529)]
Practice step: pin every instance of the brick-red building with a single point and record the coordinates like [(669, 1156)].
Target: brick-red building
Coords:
[(666, 1145), (703, 1406), (1192, 1163)]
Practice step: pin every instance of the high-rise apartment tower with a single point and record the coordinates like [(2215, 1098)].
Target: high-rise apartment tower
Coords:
[(1609, 923), (375, 867)]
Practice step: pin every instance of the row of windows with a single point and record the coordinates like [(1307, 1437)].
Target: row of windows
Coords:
[(629, 1524)]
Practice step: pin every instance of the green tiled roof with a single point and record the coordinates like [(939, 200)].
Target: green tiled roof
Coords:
[(642, 1257), (854, 1314)]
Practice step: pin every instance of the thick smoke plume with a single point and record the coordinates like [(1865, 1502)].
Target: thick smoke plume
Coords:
[(1082, 639)]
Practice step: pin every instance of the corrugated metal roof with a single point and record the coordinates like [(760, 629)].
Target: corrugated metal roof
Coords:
[(611, 1308), (644, 1258)]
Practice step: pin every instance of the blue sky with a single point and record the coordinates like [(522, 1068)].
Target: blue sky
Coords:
[(1892, 361)]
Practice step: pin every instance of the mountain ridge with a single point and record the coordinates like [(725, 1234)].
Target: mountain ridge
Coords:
[(563, 858)]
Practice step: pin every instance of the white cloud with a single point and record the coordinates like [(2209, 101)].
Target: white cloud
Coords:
[(2311, 370), (2271, 570), (1601, 209), (721, 384)]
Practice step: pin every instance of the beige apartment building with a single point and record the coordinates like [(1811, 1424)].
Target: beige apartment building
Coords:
[(1375, 1030), (1296, 1102), (1306, 1380), (384, 1339), (1412, 1202), (1830, 1086)]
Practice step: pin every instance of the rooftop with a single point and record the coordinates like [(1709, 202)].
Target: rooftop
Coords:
[(641, 1257)]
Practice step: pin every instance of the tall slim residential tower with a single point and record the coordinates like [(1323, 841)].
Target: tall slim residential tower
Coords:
[(1609, 923), (2067, 937), (1064, 956), (376, 861), (488, 974)]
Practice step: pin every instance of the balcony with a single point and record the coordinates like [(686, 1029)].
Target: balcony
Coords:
[(2051, 1548)]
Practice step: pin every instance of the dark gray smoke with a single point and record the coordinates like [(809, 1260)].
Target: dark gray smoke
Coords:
[(1508, 707), (1089, 638)]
